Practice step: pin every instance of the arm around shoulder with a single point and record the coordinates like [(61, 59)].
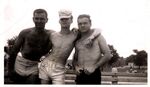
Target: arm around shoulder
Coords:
[(96, 33)]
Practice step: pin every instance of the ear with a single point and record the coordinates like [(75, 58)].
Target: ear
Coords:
[(46, 20), (71, 20)]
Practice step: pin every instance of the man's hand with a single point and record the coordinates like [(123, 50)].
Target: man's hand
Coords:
[(78, 70), (88, 42), (90, 70), (42, 58), (75, 30)]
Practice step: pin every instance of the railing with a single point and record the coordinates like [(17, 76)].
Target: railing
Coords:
[(118, 78), (109, 78)]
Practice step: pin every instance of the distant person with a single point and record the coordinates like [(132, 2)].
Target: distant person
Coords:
[(32, 43), (53, 66), (87, 61), (131, 69)]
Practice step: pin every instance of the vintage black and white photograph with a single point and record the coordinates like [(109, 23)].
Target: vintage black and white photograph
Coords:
[(75, 42)]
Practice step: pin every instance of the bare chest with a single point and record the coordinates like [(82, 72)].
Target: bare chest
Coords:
[(81, 46), (37, 40), (59, 40)]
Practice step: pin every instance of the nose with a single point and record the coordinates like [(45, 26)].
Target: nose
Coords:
[(82, 25), (38, 20)]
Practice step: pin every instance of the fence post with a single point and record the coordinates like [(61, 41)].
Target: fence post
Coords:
[(114, 76)]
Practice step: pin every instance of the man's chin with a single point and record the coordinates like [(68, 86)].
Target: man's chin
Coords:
[(39, 27), (84, 31)]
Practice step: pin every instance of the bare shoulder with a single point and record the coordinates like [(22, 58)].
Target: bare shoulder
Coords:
[(101, 38), (54, 34), (25, 31), (49, 31), (98, 29)]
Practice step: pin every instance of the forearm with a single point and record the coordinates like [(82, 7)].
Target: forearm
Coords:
[(74, 61), (12, 58), (11, 62), (103, 60)]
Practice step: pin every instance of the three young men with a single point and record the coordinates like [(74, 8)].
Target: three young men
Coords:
[(33, 43)]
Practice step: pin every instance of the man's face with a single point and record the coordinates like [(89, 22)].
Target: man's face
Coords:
[(84, 24), (40, 20), (65, 22)]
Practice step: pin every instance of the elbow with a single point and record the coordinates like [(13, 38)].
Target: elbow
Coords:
[(109, 56)]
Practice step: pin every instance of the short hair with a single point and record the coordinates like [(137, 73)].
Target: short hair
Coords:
[(84, 15), (40, 11)]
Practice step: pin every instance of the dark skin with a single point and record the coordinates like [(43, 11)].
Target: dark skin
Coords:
[(33, 43)]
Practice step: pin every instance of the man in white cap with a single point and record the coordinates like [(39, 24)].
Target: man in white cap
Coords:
[(53, 66)]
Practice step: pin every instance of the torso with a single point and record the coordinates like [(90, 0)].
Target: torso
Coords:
[(35, 45), (62, 46), (87, 56)]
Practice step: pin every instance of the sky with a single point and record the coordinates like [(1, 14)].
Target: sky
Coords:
[(125, 24)]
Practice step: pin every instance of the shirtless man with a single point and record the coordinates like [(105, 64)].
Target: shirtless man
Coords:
[(87, 61), (33, 43), (53, 67)]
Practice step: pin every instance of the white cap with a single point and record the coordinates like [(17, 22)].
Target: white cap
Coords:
[(65, 13)]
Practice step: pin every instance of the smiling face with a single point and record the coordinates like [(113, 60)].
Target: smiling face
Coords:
[(84, 24), (40, 19)]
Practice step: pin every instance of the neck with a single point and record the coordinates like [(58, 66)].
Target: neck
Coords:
[(86, 33), (65, 30), (39, 29)]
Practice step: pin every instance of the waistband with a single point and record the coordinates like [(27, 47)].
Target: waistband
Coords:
[(53, 61), (20, 57)]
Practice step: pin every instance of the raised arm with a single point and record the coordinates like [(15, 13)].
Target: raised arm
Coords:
[(95, 34), (89, 40)]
